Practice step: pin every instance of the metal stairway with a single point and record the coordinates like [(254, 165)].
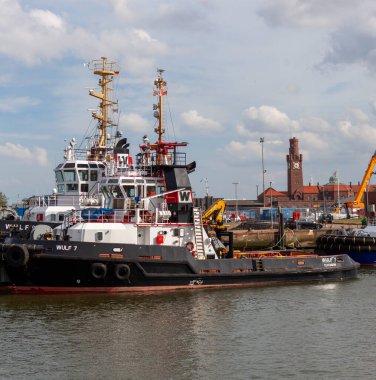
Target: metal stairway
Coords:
[(199, 233)]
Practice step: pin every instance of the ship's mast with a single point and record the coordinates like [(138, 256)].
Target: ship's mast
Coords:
[(106, 71), (165, 152), (160, 90)]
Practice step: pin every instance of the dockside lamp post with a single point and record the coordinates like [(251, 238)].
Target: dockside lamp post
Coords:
[(236, 199), (271, 203), (256, 192), (263, 168)]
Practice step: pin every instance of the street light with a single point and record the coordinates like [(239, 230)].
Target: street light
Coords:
[(256, 192), (236, 199), (271, 203), (263, 169)]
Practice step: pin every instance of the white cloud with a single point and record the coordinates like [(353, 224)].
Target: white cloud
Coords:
[(359, 115), (124, 9), (17, 103), (47, 19), (352, 29), (29, 35), (315, 125), (246, 151), (270, 119), (134, 122), (25, 136), (196, 122), (314, 13), (243, 131), (33, 36), (32, 156), (243, 151)]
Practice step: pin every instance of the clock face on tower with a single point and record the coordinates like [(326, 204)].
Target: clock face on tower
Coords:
[(296, 165)]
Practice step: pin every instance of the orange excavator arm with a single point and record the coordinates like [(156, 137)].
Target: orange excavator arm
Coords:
[(357, 202)]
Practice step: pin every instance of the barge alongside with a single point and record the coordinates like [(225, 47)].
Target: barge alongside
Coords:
[(151, 237), (360, 245)]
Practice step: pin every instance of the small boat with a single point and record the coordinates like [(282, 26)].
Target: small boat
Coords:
[(149, 236), (359, 244)]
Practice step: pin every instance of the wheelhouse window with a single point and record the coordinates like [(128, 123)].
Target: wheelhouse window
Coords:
[(160, 190), (72, 186), (150, 190), (60, 188), (93, 175), (84, 187), (129, 190), (115, 191), (69, 175), (84, 175), (59, 176)]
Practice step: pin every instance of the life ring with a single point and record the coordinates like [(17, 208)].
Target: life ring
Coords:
[(98, 270), (122, 271), (17, 255), (190, 246)]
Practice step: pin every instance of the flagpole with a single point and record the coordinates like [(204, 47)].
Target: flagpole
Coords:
[(339, 203)]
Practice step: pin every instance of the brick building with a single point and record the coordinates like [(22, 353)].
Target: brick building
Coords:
[(300, 195)]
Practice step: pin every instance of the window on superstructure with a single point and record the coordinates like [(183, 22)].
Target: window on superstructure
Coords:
[(160, 190), (60, 188), (72, 186), (106, 193), (115, 191), (84, 187), (150, 191), (59, 176), (93, 175), (84, 175), (139, 190), (129, 190), (69, 175)]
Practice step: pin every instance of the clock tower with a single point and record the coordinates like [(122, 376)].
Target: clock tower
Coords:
[(294, 171)]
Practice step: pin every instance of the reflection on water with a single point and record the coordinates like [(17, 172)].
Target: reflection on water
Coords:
[(310, 331)]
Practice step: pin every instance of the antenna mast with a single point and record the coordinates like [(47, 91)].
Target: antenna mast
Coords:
[(106, 71)]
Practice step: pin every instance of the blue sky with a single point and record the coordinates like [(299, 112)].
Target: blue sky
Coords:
[(236, 71)]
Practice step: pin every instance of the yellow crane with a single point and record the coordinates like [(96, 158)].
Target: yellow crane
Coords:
[(214, 215), (357, 202)]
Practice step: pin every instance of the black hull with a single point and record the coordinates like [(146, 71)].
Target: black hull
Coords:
[(21, 227), (88, 267), (361, 249)]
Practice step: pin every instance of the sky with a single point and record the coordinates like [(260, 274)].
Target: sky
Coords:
[(236, 71)]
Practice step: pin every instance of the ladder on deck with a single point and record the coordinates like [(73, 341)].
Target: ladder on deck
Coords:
[(199, 233)]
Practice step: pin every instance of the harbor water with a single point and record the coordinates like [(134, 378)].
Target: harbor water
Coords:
[(316, 331)]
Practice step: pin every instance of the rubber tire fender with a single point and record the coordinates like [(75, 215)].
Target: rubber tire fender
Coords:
[(122, 271), (17, 255), (98, 270)]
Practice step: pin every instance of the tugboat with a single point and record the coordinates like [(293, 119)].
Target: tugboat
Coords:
[(77, 177), (150, 236)]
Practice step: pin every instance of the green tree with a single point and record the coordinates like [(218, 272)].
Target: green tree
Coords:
[(3, 200)]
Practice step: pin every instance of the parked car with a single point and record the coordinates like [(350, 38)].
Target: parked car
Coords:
[(326, 218), (302, 224)]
